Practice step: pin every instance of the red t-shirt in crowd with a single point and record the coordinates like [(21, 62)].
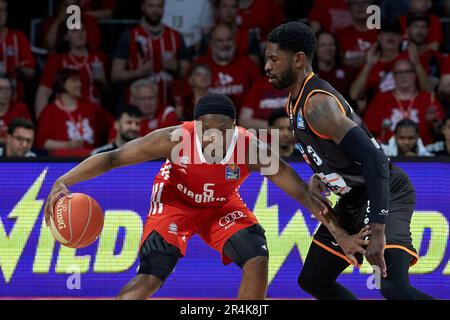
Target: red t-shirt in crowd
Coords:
[(433, 63), (434, 31), (138, 42), (262, 15), (187, 104), (432, 60), (385, 112), (165, 117), (184, 99), (15, 110), (331, 14), (242, 39), (340, 78), (381, 78), (263, 99), (89, 122), (234, 79), (15, 50), (87, 67), (355, 43), (93, 33)]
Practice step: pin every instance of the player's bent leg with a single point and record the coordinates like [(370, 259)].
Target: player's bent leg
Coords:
[(140, 287), (397, 286), (319, 274), (254, 279), (158, 258), (247, 248)]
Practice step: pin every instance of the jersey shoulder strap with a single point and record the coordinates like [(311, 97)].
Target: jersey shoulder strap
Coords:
[(306, 106), (314, 85)]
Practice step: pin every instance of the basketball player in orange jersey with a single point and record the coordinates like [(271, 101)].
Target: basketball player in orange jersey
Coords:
[(197, 194), (348, 161)]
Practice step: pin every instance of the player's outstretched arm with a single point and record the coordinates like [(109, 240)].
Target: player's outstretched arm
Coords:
[(281, 174), (290, 182), (326, 117), (155, 145)]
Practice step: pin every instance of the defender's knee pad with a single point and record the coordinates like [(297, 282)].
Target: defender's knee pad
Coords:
[(158, 257), (246, 244)]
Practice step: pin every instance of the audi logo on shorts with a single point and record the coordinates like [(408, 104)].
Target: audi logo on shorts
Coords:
[(231, 217)]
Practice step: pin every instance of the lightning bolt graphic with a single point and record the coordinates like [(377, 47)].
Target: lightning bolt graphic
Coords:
[(294, 235), (25, 213)]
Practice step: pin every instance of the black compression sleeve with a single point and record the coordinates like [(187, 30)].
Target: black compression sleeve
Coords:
[(375, 169)]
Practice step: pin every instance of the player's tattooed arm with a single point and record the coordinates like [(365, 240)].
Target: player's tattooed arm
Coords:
[(325, 116)]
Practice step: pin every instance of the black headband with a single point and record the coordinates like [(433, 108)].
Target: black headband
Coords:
[(215, 104)]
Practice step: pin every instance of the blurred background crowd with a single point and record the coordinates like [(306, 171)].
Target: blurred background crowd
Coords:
[(140, 65)]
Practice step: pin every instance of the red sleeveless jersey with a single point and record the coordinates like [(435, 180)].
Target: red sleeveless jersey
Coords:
[(155, 49), (197, 183)]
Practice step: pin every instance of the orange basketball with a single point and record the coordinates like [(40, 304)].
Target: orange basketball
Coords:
[(76, 221)]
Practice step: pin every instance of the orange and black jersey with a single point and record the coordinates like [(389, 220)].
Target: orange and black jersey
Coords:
[(344, 176), (323, 155)]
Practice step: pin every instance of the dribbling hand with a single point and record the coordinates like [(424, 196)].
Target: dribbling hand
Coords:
[(59, 189)]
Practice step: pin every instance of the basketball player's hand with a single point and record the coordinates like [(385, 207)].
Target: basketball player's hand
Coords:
[(375, 249), (352, 244), (59, 189), (315, 184), (317, 204), (320, 189)]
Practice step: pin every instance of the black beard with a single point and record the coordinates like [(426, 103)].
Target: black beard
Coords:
[(417, 43), (285, 80), (152, 21)]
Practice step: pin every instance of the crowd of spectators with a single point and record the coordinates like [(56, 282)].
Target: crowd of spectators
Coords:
[(86, 97)]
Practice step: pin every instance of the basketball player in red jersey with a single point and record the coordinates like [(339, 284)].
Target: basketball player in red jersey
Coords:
[(196, 192)]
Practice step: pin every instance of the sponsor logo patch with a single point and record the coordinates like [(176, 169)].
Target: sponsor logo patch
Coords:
[(300, 121), (232, 172), (230, 219)]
